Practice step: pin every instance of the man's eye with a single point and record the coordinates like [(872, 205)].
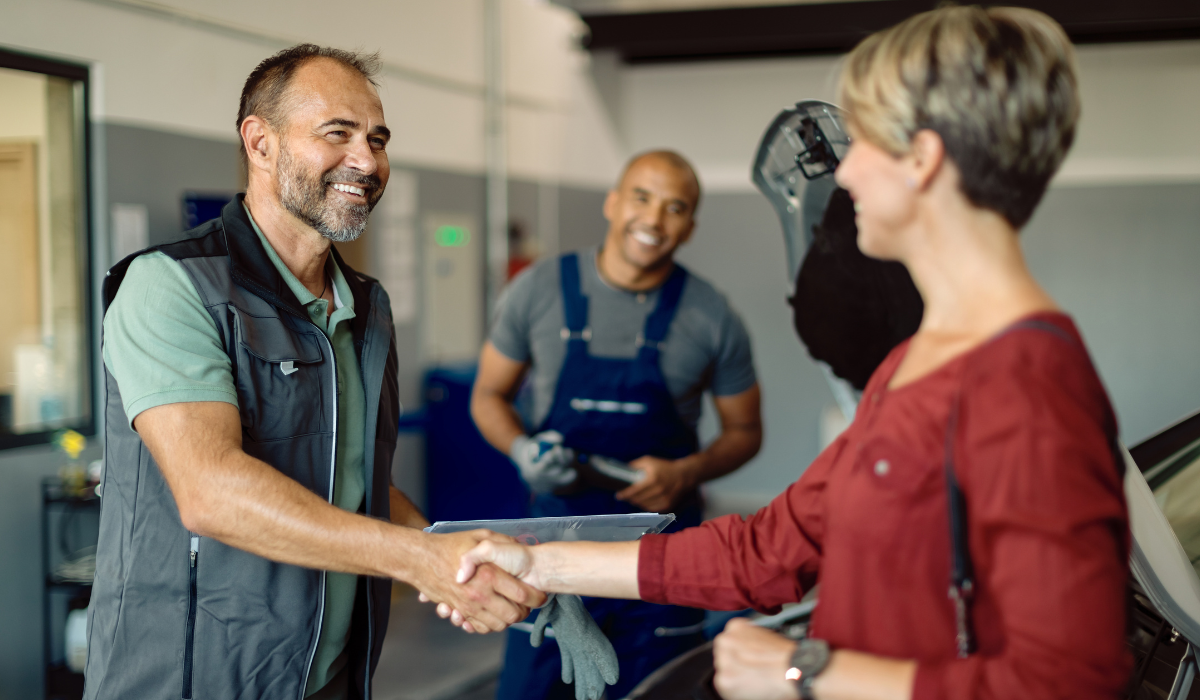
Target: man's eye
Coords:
[(378, 144)]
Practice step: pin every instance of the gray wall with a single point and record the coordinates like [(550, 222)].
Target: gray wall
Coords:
[(1123, 261), (1120, 259), (738, 247), (155, 168)]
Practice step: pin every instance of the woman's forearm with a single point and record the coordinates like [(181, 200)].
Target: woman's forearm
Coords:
[(605, 569)]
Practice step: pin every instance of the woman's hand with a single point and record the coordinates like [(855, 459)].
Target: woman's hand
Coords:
[(507, 554), (751, 662)]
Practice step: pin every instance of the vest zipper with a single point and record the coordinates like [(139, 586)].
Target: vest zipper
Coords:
[(189, 634), (312, 653), (370, 637)]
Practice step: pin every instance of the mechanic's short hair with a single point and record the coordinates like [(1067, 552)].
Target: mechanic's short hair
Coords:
[(998, 85), (671, 158), (265, 92)]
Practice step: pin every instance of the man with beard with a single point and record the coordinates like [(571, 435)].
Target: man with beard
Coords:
[(621, 343), (250, 533)]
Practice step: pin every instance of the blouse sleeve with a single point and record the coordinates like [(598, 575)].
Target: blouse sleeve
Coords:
[(1049, 533), (730, 563)]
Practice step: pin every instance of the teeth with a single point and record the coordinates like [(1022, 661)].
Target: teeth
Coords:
[(349, 189), (645, 238)]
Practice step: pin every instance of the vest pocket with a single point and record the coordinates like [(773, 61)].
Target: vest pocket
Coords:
[(189, 633), (280, 378)]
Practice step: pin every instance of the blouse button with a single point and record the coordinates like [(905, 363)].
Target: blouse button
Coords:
[(882, 467)]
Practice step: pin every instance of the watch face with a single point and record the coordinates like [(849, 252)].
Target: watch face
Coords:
[(807, 656), (811, 656)]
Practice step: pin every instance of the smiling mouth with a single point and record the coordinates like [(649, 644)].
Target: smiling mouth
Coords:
[(646, 239), (350, 189)]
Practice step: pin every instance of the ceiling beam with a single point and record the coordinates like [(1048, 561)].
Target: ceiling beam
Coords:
[(789, 30)]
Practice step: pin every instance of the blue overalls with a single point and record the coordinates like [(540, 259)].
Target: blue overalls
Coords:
[(618, 408)]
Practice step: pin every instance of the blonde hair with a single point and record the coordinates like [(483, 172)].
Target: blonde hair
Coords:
[(998, 85)]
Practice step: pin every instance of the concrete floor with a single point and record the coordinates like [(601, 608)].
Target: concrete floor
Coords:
[(427, 658)]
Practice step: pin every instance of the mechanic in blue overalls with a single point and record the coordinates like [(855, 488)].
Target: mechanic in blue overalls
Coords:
[(620, 344)]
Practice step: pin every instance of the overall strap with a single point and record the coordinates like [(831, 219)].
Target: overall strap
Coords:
[(659, 320), (575, 304)]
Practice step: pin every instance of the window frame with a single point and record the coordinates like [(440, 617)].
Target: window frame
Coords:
[(18, 60)]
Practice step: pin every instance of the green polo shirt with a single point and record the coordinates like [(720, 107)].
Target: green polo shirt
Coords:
[(162, 347)]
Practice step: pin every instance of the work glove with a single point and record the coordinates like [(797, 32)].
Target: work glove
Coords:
[(588, 658), (543, 461)]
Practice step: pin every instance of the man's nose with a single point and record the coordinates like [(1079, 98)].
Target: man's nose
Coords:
[(656, 215), (360, 157)]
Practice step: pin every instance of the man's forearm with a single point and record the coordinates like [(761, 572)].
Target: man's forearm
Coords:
[(404, 511), (729, 451), (496, 418), (252, 506)]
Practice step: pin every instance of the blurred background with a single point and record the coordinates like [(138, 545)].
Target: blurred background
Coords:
[(511, 119)]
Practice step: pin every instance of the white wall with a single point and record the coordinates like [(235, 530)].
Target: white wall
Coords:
[(1138, 124), (179, 66)]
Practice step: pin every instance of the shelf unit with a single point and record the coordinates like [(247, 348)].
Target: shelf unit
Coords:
[(58, 596)]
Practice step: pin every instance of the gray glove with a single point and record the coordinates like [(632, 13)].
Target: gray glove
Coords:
[(588, 658), (543, 461)]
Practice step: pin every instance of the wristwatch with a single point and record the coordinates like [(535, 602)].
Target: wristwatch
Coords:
[(810, 658)]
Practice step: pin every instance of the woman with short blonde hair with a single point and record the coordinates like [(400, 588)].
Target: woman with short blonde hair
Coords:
[(989, 425)]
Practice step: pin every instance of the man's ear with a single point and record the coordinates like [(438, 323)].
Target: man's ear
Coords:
[(927, 153), (256, 138), (610, 206), (687, 234)]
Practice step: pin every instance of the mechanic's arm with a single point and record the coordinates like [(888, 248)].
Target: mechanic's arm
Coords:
[(226, 494), (496, 385), (666, 480), (404, 511)]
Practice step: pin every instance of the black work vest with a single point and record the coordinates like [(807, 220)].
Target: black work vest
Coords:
[(236, 625)]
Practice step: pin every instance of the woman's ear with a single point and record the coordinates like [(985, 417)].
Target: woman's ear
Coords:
[(927, 153)]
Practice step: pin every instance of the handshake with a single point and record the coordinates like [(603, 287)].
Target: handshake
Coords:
[(496, 585)]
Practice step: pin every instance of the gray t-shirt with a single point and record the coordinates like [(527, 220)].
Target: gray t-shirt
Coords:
[(707, 347)]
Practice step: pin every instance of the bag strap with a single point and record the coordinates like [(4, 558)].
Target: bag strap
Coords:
[(962, 571)]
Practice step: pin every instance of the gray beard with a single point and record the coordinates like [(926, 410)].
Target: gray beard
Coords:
[(307, 198)]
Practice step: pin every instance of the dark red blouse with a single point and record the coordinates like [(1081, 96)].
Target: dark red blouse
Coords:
[(1048, 529)]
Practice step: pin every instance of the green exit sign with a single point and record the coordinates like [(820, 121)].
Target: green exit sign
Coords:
[(452, 236)]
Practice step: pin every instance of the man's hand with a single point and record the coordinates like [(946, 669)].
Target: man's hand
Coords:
[(506, 554), (751, 661), (490, 600), (664, 483)]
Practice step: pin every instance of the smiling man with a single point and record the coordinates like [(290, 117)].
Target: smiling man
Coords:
[(250, 533), (621, 344)]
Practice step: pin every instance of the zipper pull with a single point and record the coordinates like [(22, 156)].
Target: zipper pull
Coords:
[(193, 550)]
